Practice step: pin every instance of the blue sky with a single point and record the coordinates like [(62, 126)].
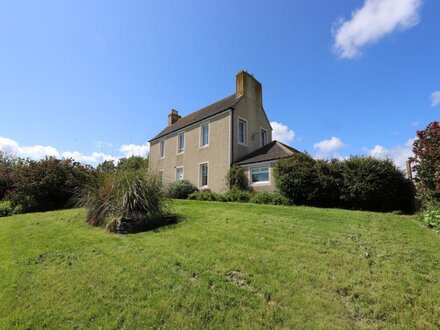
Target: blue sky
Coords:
[(95, 80)]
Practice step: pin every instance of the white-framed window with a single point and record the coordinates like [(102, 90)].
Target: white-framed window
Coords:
[(161, 175), (180, 143), (242, 131), (263, 137), (204, 135), (162, 149), (260, 174), (179, 173), (203, 180)]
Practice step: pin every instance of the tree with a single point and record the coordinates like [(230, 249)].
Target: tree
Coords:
[(133, 163), (108, 166), (427, 162), (8, 168), (48, 184)]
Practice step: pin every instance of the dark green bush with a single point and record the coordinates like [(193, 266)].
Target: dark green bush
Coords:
[(130, 195), (48, 184), (270, 198), (8, 169), (206, 195), (237, 195), (296, 178), (375, 185), (181, 189), (5, 209), (329, 183), (236, 178), (362, 183)]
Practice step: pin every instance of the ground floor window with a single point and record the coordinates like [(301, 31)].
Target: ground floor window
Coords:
[(260, 174), (161, 176), (179, 173), (204, 175)]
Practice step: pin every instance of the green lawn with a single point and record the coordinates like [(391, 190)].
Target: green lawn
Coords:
[(222, 266)]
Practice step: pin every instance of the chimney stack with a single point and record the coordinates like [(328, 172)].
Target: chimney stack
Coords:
[(248, 86), (173, 117)]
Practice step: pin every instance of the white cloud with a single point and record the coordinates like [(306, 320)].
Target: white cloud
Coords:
[(282, 133), (372, 22), (414, 124), (135, 149), (94, 157), (399, 154), (100, 144), (435, 98), (34, 152), (326, 148)]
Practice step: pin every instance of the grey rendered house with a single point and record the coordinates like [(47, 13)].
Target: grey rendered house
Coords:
[(202, 146)]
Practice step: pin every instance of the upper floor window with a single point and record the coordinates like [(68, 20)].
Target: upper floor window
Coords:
[(242, 131), (263, 136), (179, 173), (204, 140), (162, 149), (180, 143)]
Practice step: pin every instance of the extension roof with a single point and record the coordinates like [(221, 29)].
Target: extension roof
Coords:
[(271, 151), (199, 115)]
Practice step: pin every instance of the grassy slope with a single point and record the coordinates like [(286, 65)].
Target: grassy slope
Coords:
[(222, 266)]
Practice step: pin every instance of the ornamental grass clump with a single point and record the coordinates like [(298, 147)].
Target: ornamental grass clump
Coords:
[(126, 195)]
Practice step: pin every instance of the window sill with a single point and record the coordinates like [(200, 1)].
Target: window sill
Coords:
[(260, 183)]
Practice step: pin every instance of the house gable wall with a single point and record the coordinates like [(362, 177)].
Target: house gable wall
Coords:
[(253, 113)]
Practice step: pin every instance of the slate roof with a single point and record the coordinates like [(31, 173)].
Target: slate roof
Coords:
[(271, 151), (199, 115)]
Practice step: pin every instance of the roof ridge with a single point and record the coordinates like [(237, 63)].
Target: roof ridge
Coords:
[(285, 147), (226, 103), (200, 109)]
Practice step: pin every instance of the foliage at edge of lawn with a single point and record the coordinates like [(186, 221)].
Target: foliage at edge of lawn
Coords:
[(181, 189), (362, 183), (241, 196)]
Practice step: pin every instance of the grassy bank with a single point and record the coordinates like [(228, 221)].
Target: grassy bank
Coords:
[(222, 266)]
